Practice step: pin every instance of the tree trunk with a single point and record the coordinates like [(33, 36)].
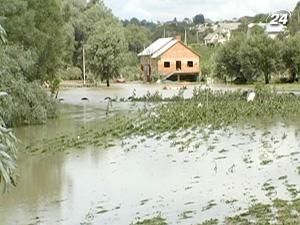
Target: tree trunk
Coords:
[(267, 79), (107, 82), (293, 76), (56, 94)]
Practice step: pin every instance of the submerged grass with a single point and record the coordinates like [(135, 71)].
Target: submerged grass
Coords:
[(217, 109), (154, 221), (206, 109), (278, 212)]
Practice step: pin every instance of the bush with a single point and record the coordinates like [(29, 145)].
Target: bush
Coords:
[(130, 73), (27, 103), (72, 73)]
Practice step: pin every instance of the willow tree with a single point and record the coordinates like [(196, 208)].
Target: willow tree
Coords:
[(8, 151), (8, 156)]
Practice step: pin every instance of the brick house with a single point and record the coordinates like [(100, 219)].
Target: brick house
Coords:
[(170, 59)]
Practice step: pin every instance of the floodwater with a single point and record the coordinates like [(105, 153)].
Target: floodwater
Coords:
[(188, 179), (96, 96)]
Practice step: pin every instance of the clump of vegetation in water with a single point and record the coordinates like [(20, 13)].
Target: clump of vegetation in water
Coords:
[(157, 97), (279, 212), (154, 221), (8, 156), (99, 135), (216, 109), (210, 222)]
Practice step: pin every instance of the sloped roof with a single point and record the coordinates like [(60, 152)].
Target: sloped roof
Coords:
[(160, 46), (210, 36), (155, 46), (164, 48), (230, 26)]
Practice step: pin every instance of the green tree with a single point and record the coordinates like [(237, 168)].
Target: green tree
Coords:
[(247, 59), (105, 50), (290, 53), (8, 151), (41, 27), (228, 62), (137, 37), (263, 55), (199, 19), (257, 30)]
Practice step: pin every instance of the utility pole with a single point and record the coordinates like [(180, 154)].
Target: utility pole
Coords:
[(83, 66), (185, 36), (164, 32)]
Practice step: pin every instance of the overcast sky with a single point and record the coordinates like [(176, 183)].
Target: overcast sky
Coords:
[(164, 10)]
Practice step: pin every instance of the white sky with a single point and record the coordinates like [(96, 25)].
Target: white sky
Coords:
[(165, 10)]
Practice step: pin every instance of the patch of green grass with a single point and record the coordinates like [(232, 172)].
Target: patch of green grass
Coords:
[(154, 221), (266, 162)]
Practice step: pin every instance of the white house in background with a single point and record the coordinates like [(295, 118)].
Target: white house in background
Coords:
[(222, 33), (271, 30), (274, 31), (215, 38)]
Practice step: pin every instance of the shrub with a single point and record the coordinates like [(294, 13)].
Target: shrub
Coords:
[(27, 103), (71, 73)]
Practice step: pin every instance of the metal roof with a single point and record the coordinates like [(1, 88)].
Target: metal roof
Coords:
[(164, 48), (156, 46), (3, 94), (275, 29)]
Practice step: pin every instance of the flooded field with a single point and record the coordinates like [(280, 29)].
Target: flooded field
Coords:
[(187, 179)]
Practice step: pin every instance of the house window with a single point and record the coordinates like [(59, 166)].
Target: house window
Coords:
[(190, 63), (167, 64)]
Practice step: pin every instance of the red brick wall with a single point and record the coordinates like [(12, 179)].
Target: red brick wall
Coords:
[(178, 52)]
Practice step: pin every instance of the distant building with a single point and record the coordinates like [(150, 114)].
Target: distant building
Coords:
[(271, 30), (215, 38), (170, 59), (222, 33)]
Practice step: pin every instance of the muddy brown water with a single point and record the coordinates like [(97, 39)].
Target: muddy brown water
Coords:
[(206, 176)]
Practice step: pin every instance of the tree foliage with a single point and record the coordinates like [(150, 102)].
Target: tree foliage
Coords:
[(137, 37), (199, 19), (246, 59), (8, 151), (290, 53), (228, 63), (105, 41), (105, 50), (8, 156), (294, 22)]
